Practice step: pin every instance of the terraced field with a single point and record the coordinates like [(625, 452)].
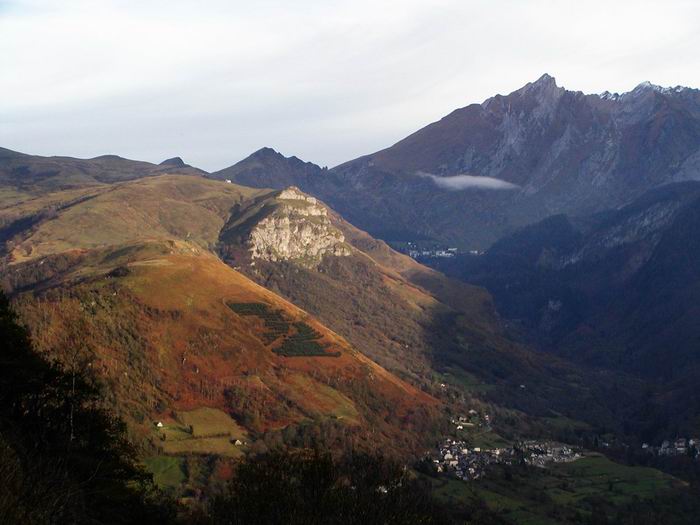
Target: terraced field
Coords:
[(298, 339)]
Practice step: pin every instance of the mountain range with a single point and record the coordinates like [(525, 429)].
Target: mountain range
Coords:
[(487, 169), (221, 311)]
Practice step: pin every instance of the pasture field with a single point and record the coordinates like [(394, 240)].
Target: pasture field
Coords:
[(202, 431), (167, 470), (561, 493)]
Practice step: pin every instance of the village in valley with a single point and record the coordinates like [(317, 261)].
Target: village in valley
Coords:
[(456, 457), (416, 253), (678, 447), (424, 250)]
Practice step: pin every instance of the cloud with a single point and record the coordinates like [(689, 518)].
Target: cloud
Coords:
[(464, 182), (327, 81)]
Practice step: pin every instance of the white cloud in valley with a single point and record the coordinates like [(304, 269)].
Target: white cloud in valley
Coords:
[(326, 80), (464, 182)]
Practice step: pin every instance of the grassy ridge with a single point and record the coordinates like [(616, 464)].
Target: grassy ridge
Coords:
[(165, 208)]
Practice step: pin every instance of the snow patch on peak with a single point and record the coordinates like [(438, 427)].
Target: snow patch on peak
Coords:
[(642, 87), (606, 95), (647, 86)]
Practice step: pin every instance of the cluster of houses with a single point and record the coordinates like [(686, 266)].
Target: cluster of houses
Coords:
[(415, 251), (539, 453), (679, 447), (473, 419), (456, 458), (417, 254)]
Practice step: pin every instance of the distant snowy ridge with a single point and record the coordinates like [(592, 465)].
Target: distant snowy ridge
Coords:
[(644, 86)]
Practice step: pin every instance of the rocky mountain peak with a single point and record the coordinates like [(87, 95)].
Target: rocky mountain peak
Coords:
[(266, 152), (646, 87), (539, 98), (267, 168), (175, 162), (545, 85), (545, 80)]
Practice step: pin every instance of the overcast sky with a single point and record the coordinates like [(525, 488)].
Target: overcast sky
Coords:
[(325, 80)]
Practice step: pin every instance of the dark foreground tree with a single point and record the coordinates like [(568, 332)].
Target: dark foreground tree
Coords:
[(63, 459), (310, 487)]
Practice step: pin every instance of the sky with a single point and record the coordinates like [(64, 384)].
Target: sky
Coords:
[(325, 80)]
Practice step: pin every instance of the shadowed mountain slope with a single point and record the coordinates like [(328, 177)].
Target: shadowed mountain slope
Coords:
[(617, 290), (266, 168)]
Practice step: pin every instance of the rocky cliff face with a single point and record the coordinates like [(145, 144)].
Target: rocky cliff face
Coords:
[(286, 226), (298, 229)]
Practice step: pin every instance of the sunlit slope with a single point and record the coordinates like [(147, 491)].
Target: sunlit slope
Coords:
[(128, 275), (164, 207), (161, 324)]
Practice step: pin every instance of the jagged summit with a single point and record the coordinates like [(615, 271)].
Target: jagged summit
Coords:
[(544, 91), (545, 80), (268, 168), (644, 87), (266, 151), (270, 154), (546, 83)]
